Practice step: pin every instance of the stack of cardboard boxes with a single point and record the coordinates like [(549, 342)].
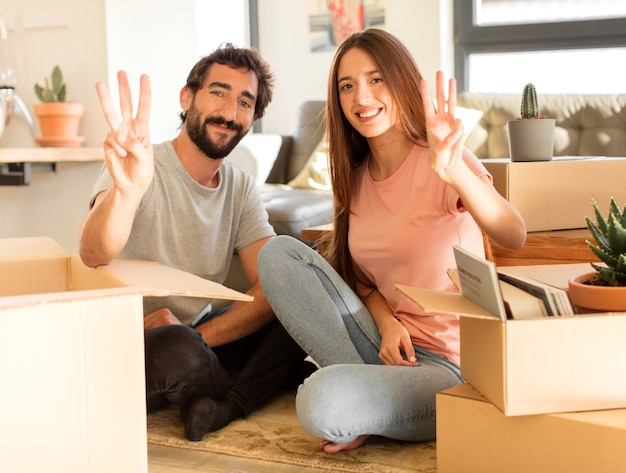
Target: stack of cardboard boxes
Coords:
[(72, 357), (545, 394)]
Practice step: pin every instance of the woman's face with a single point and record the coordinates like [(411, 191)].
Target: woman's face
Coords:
[(363, 94)]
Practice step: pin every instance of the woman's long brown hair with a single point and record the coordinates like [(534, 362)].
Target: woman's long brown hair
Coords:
[(348, 149)]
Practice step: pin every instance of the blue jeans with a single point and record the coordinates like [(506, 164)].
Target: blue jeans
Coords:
[(354, 393)]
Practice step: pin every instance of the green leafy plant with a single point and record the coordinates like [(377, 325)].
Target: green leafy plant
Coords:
[(610, 244), (530, 104), (53, 90)]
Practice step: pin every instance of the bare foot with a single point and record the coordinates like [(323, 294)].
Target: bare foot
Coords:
[(334, 447)]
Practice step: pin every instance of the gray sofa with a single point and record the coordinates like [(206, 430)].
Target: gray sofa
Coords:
[(293, 209)]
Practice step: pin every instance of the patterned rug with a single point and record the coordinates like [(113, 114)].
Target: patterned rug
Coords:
[(273, 434)]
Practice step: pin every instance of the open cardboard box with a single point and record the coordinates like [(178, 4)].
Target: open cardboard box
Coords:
[(541, 365), (556, 195), (72, 357), (473, 436)]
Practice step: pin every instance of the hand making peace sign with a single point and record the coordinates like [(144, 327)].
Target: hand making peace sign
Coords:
[(127, 147)]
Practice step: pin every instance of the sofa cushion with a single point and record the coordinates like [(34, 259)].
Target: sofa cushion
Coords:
[(256, 154), (291, 210), (309, 132)]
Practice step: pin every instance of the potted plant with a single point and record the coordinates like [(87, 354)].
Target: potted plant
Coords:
[(58, 119), (605, 287), (531, 137)]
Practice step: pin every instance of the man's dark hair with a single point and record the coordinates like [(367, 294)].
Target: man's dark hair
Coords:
[(237, 58)]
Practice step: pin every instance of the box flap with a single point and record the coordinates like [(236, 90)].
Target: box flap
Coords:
[(158, 279), (27, 248), (42, 299), (442, 302), (464, 390)]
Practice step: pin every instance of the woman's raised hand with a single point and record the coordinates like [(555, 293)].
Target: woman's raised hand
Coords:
[(127, 147), (445, 132)]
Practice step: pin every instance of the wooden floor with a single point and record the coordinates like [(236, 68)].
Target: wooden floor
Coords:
[(175, 460)]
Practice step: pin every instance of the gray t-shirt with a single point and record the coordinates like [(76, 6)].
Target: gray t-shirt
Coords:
[(185, 225)]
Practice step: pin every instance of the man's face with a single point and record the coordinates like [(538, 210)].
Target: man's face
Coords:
[(222, 111)]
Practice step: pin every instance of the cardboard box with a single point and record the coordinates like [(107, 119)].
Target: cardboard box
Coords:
[(72, 357), (473, 436), (541, 365), (556, 195)]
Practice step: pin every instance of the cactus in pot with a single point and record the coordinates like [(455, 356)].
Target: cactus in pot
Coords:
[(59, 119), (530, 104), (610, 244), (530, 139), (53, 90)]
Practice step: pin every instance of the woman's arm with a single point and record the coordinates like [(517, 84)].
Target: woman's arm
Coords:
[(494, 214)]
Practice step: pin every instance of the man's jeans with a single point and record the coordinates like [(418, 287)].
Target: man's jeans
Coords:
[(180, 366), (354, 393)]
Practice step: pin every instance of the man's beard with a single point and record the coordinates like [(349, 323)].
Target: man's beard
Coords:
[(200, 137)]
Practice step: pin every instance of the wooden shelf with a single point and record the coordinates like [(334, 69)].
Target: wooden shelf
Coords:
[(51, 154), (16, 162)]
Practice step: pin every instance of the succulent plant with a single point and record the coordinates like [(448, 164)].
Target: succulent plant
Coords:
[(610, 244), (53, 90), (530, 105)]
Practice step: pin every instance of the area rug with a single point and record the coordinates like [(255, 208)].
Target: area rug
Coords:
[(273, 434)]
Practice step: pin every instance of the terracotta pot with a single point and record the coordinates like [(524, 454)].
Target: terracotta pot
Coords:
[(603, 298), (59, 119)]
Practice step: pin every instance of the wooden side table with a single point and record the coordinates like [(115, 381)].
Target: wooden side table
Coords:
[(555, 247)]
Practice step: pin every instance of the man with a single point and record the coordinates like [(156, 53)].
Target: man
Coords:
[(180, 203)]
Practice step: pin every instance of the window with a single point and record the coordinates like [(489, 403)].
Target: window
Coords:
[(562, 46)]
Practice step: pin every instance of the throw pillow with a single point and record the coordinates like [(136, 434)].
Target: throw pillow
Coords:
[(256, 154), (470, 118), (314, 174)]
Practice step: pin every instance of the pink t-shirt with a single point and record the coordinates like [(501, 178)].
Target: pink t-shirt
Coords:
[(402, 230)]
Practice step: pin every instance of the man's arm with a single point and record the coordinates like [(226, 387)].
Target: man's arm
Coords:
[(242, 318), (130, 162), (107, 227)]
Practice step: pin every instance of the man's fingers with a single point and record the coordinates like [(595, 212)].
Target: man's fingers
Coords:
[(107, 105), (126, 103), (145, 96)]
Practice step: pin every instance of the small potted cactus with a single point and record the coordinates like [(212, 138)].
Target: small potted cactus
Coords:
[(59, 119), (605, 287), (531, 137)]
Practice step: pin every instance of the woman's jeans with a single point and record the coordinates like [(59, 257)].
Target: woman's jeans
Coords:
[(354, 393), (180, 366)]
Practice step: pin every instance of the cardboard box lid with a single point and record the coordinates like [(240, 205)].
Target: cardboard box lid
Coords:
[(27, 259)]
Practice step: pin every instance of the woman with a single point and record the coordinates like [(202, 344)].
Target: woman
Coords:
[(406, 191)]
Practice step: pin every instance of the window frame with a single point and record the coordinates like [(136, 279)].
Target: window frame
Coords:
[(470, 38)]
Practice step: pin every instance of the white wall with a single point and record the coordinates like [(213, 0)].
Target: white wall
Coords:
[(158, 37), (423, 25)]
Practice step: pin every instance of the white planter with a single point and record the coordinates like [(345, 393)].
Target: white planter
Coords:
[(531, 140)]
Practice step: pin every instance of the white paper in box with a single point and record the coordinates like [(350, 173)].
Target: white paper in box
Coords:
[(72, 357), (542, 365)]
